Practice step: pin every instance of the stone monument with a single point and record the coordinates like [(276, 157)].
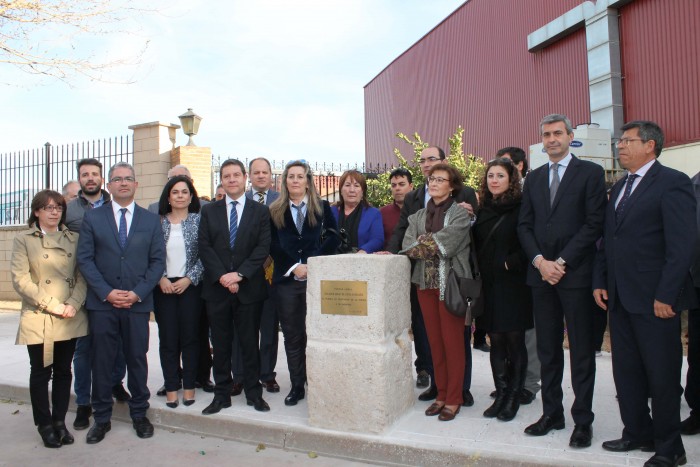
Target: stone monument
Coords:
[(358, 357)]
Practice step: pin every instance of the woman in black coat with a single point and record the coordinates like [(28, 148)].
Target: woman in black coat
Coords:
[(507, 299)]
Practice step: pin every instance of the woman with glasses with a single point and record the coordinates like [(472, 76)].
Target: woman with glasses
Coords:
[(507, 298), (177, 302), (437, 238), (299, 218), (45, 275), (361, 222)]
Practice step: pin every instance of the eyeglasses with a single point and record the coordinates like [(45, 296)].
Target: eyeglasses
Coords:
[(438, 180), (422, 161), (52, 208), (626, 141), (123, 180)]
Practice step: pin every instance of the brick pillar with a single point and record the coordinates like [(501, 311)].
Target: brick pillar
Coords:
[(198, 160), (153, 143)]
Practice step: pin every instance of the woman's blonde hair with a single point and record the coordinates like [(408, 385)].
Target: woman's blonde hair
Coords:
[(281, 204)]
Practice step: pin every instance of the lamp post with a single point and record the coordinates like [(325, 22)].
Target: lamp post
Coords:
[(190, 125)]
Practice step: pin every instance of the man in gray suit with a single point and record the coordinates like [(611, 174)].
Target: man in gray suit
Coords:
[(260, 172)]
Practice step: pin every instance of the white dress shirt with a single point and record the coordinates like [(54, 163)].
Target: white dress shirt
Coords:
[(129, 214)]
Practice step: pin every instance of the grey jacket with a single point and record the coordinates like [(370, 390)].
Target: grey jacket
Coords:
[(75, 211), (452, 241)]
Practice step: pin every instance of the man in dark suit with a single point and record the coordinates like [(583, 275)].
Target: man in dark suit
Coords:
[(121, 254), (234, 241), (642, 277), (412, 203), (560, 220), (260, 180)]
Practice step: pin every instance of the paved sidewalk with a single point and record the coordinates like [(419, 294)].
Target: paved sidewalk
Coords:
[(414, 439)]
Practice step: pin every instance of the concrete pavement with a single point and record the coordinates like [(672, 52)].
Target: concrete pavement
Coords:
[(414, 439)]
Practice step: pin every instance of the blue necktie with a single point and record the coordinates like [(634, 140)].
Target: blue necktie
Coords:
[(122, 228), (300, 216), (233, 226), (625, 196)]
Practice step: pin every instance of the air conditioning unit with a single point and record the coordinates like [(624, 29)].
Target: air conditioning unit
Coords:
[(590, 143)]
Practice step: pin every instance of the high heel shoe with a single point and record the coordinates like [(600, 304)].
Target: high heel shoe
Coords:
[(49, 437), (172, 404), (185, 400), (62, 432)]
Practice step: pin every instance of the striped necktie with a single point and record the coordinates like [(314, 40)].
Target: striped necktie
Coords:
[(261, 197), (233, 224)]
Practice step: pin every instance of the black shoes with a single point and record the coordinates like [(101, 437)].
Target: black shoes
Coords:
[(216, 406), (544, 425), (236, 389), (467, 398), (82, 417), (259, 404), (422, 379), (294, 396), (143, 427), (691, 425), (120, 394), (581, 437), (429, 394), (172, 404), (49, 436), (161, 391), (625, 445), (271, 385), (62, 432), (526, 397), (663, 461), (97, 432), (206, 386)]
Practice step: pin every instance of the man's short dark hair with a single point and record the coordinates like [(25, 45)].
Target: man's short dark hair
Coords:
[(648, 131), (228, 162), (88, 161), (401, 172), (441, 153), (250, 164), (517, 155)]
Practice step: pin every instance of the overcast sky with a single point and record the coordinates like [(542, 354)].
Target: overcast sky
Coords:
[(276, 78)]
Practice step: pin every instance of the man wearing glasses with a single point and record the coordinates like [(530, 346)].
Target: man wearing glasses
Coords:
[(413, 202), (121, 254)]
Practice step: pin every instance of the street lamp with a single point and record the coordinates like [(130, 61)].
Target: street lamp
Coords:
[(190, 125)]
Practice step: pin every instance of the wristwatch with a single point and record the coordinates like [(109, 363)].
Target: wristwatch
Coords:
[(560, 261), (241, 275)]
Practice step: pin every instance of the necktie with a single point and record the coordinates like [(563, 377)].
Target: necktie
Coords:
[(122, 228), (300, 216), (625, 196), (233, 226), (261, 197), (554, 186)]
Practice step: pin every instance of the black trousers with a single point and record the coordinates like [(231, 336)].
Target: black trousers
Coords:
[(692, 384), (269, 343), (647, 357), (224, 317), (39, 376), (106, 328), (204, 362), (178, 329), (290, 300), (552, 305)]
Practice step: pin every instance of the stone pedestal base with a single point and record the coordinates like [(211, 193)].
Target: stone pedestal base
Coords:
[(359, 367)]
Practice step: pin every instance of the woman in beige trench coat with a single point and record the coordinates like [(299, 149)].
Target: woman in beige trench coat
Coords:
[(45, 275)]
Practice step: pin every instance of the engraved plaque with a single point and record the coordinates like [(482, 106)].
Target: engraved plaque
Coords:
[(344, 298)]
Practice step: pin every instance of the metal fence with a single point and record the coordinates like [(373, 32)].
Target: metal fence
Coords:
[(326, 174), (24, 173)]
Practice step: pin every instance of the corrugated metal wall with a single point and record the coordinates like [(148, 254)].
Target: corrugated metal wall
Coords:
[(661, 66), (474, 70)]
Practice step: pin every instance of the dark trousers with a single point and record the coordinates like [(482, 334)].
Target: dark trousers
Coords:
[(107, 327), (204, 361), (467, 382), (178, 329), (551, 306), (224, 317), (290, 300), (269, 343), (424, 360), (509, 354), (82, 369), (446, 335), (39, 376), (600, 324), (647, 357), (692, 384)]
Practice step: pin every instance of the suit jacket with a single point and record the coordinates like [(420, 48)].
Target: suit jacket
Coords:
[(370, 232), (644, 255), (272, 195), (289, 248), (414, 201), (247, 257), (106, 266), (568, 228)]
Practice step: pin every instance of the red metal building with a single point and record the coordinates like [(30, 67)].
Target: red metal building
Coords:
[(484, 69)]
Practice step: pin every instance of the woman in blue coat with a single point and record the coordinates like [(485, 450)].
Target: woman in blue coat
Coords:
[(361, 222)]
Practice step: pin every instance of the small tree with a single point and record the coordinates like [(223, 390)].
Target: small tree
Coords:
[(471, 167)]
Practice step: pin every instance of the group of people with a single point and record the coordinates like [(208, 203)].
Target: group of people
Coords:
[(549, 248)]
